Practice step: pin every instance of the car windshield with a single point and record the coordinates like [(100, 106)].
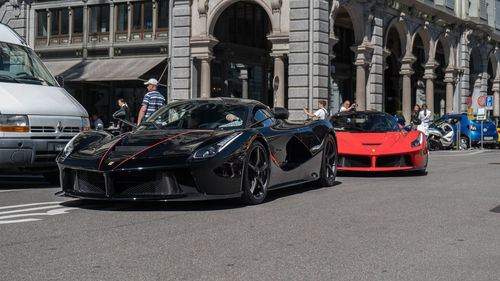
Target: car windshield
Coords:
[(198, 115), (364, 123), (20, 64)]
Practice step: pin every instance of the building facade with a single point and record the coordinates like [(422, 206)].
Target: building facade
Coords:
[(384, 55)]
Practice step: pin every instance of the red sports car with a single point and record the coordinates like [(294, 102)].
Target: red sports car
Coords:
[(373, 141)]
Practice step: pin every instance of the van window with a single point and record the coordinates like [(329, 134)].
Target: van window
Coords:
[(20, 64)]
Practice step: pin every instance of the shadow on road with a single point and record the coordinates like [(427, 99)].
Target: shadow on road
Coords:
[(211, 205), (496, 209), (23, 182)]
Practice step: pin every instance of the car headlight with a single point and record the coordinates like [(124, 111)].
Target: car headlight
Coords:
[(14, 123), (68, 149), (418, 141), (85, 124), (213, 149)]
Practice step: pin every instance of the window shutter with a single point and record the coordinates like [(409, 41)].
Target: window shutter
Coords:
[(497, 14), (450, 4), (483, 11)]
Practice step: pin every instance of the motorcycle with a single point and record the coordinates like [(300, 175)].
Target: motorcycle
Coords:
[(441, 136)]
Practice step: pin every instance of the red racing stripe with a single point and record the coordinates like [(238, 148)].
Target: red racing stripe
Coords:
[(158, 144), (98, 168), (275, 162)]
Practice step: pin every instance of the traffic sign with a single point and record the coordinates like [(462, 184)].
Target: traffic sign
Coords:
[(469, 101), (470, 113), (489, 102), (481, 101)]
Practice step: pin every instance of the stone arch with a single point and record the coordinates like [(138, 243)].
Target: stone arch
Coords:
[(217, 11), (447, 48), (492, 58), (356, 20), (426, 40), (402, 31), (477, 60)]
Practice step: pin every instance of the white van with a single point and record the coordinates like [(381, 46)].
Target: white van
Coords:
[(37, 116)]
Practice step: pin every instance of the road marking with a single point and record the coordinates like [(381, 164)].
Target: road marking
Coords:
[(24, 212), (31, 204), (10, 190)]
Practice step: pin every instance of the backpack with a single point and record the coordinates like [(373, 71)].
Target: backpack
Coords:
[(327, 114)]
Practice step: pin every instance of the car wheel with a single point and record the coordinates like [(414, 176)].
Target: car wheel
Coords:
[(329, 164), (256, 174), (52, 177), (464, 143)]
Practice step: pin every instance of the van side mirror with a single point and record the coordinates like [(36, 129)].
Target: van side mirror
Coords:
[(280, 113), (60, 80)]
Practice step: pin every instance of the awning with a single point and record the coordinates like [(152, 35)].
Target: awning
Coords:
[(104, 69), (59, 67)]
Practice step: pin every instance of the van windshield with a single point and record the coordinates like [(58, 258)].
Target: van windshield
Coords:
[(20, 64)]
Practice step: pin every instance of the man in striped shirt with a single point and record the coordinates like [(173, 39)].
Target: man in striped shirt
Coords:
[(152, 101)]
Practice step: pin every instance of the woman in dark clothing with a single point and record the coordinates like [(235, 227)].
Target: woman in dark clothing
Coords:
[(122, 113), (415, 121)]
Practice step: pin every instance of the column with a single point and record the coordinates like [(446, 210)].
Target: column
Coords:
[(449, 80), (429, 77), (406, 73), (244, 80), (85, 30), (361, 86), (362, 53), (279, 71), (496, 97), (205, 78), (155, 19), (112, 27)]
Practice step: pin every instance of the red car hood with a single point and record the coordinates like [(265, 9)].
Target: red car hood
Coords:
[(377, 143)]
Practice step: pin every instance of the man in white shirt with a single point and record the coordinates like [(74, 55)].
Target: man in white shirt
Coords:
[(346, 106), (321, 113)]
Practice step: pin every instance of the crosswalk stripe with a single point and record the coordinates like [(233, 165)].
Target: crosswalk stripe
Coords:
[(31, 204), (30, 209)]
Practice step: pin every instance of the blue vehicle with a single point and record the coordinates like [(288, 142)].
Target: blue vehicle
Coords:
[(471, 128)]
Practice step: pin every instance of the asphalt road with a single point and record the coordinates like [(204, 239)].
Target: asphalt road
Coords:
[(441, 226)]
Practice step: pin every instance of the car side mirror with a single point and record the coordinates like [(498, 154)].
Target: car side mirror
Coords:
[(60, 80), (280, 113)]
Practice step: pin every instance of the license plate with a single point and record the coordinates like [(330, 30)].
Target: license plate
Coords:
[(488, 138), (59, 146)]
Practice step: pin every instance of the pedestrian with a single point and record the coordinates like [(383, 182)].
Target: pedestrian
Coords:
[(321, 113), (152, 101), (346, 106), (124, 114), (98, 124), (415, 121), (425, 118)]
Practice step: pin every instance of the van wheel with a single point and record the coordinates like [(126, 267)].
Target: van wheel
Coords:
[(464, 143)]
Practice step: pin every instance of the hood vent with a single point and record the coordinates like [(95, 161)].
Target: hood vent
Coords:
[(371, 143)]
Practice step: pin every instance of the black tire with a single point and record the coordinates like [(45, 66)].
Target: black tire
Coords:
[(52, 177), (464, 143), (256, 174), (329, 163)]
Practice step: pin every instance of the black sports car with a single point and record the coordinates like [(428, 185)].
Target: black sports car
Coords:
[(200, 149)]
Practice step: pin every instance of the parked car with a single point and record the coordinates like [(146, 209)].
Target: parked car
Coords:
[(496, 120), (373, 141), (471, 129), (201, 149), (37, 116)]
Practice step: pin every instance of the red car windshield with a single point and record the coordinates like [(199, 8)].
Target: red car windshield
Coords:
[(364, 122)]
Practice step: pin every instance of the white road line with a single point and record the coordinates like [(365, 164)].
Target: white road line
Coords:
[(31, 204), (10, 190), (17, 221), (48, 213), (30, 209)]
